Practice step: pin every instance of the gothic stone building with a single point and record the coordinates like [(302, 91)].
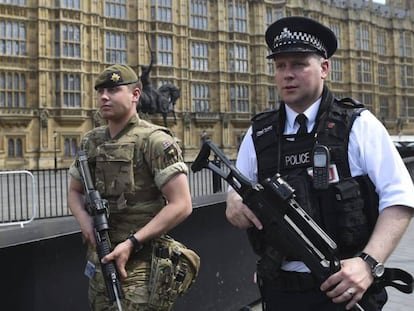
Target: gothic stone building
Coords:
[(214, 51)]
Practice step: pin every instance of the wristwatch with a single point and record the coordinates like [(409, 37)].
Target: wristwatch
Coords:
[(377, 268), (137, 245)]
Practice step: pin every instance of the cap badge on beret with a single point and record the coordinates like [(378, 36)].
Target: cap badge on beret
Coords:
[(115, 77), (288, 37)]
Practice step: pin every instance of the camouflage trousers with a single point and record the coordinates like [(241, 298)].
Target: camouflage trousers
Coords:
[(135, 288)]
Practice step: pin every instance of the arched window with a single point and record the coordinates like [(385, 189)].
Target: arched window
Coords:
[(70, 147), (15, 148), (11, 148), (67, 147), (74, 149), (19, 148)]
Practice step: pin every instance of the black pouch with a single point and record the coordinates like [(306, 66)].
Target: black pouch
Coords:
[(352, 229), (371, 199)]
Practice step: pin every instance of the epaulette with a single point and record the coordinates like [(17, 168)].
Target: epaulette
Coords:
[(349, 102), (263, 115)]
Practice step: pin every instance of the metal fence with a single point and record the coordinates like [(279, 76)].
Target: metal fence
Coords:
[(27, 195), (18, 203), (43, 193)]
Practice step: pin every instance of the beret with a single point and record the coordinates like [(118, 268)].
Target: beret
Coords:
[(297, 34), (115, 75)]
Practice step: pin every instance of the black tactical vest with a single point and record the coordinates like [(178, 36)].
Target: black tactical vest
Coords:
[(348, 209)]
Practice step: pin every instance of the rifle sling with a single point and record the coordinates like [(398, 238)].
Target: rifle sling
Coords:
[(397, 278)]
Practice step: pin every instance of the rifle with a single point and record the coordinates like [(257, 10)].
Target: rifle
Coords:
[(100, 212), (287, 225)]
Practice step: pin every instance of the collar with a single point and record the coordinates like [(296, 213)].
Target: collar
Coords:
[(310, 113), (135, 120)]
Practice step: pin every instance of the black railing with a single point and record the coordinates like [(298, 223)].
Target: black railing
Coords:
[(53, 191), (50, 199)]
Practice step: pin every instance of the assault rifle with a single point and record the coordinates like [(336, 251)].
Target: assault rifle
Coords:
[(287, 225), (99, 211)]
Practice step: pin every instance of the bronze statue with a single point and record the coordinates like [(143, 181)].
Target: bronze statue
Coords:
[(153, 100)]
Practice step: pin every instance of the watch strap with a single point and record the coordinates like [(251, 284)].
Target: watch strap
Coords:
[(374, 265), (371, 261), (137, 245)]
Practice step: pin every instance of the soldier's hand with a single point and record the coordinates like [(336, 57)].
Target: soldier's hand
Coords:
[(86, 225), (120, 255)]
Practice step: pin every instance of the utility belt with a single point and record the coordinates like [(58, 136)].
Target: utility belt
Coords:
[(174, 269)]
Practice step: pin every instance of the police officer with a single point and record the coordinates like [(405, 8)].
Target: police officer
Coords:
[(362, 195), (139, 169)]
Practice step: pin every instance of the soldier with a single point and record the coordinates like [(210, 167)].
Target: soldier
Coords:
[(344, 167), (138, 167)]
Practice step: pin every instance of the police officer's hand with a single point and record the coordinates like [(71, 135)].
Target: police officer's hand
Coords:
[(120, 255), (350, 283), (238, 214)]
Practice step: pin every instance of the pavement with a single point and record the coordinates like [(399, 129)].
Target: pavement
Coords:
[(403, 258)]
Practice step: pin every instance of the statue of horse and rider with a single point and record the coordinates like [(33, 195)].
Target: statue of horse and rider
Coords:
[(153, 100)]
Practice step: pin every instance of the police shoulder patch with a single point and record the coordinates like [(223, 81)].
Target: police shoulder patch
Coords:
[(263, 115), (350, 102)]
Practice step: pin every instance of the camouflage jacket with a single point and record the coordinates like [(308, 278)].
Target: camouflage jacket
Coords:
[(129, 170)]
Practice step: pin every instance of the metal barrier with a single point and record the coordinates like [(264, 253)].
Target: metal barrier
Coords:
[(17, 193), (204, 182), (51, 190)]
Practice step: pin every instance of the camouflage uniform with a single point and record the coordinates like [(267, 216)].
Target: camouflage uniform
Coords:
[(129, 171)]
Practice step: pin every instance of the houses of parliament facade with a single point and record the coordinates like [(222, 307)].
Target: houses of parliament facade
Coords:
[(213, 51)]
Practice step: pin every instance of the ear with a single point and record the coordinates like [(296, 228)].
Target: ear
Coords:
[(136, 93), (324, 68)]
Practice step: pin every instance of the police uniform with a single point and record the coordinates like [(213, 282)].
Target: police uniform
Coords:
[(272, 139), (128, 170)]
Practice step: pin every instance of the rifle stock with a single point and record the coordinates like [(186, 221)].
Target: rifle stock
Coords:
[(99, 211)]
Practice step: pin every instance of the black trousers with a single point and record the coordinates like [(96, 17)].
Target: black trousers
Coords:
[(277, 297)]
